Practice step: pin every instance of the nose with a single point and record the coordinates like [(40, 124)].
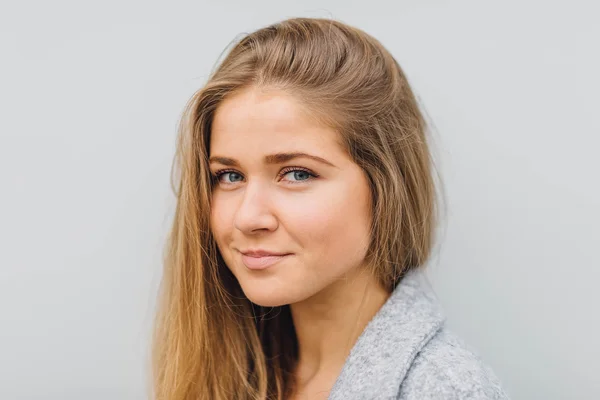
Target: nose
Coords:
[(254, 213)]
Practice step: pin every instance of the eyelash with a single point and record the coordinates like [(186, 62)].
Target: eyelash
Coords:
[(217, 175)]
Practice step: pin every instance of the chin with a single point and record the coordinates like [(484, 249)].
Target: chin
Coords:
[(268, 302), (264, 297)]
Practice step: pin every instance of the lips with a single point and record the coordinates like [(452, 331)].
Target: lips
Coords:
[(261, 259)]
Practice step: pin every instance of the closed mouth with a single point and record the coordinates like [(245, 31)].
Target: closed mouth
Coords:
[(263, 261)]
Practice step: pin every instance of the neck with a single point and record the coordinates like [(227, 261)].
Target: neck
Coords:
[(329, 324)]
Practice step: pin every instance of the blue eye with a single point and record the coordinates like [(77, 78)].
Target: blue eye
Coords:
[(299, 175), (290, 174), (233, 177)]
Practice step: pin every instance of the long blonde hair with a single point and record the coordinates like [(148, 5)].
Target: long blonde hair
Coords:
[(210, 341)]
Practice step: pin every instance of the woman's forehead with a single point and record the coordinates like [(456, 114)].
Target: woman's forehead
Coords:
[(268, 122)]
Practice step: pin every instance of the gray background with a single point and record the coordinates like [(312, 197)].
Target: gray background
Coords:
[(90, 95)]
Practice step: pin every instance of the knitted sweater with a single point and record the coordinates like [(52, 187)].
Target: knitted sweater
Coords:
[(407, 353)]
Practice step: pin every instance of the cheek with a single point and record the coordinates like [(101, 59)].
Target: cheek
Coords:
[(221, 218), (333, 227)]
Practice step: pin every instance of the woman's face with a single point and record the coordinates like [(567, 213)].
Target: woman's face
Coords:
[(291, 211)]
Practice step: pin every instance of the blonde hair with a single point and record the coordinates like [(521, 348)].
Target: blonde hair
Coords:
[(210, 341)]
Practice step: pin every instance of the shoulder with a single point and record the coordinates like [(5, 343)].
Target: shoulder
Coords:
[(446, 368)]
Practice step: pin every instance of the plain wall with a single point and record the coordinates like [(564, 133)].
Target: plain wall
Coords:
[(90, 96)]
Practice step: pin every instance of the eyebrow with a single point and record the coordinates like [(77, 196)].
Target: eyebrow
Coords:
[(278, 158)]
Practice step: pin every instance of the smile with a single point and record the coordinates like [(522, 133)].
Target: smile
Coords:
[(262, 262)]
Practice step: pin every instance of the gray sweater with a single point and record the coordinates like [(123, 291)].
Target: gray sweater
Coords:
[(406, 353)]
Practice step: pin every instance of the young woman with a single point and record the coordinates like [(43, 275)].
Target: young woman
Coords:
[(305, 212)]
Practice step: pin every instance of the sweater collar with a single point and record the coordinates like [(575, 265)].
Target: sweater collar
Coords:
[(383, 354)]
